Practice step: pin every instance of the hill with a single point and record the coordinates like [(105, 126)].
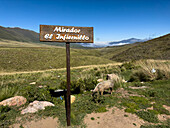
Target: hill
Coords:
[(158, 48), (127, 41), (18, 34), (43, 58), (24, 35)]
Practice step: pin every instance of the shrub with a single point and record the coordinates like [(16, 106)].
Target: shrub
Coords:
[(32, 93), (148, 116), (4, 109), (140, 76), (130, 110), (101, 109), (79, 86), (165, 124), (142, 102), (162, 69), (162, 75), (127, 66), (160, 109), (7, 92)]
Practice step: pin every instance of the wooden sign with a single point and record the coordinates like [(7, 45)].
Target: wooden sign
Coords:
[(66, 34)]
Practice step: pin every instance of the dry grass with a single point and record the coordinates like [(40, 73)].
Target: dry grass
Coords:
[(148, 65), (10, 43), (88, 67)]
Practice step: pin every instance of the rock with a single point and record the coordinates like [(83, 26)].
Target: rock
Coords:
[(33, 83), (142, 87), (73, 98), (124, 81), (35, 106), (99, 80), (41, 86), (14, 101)]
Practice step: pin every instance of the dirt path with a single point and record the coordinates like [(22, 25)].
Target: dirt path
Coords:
[(48, 122), (114, 118), (79, 67)]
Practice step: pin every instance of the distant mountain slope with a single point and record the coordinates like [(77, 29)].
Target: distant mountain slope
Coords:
[(114, 43), (24, 35), (18, 34), (158, 48), (127, 41)]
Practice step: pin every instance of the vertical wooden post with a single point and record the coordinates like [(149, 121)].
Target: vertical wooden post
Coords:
[(68, 107)]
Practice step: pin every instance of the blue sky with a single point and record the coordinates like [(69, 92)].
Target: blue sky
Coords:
[(112, 19)]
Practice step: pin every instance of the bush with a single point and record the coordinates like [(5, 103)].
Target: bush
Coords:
[(148, 116), (7, 92), (4, 109), (161, 75), (81, 85), (140, 76), (101, 109), (127, 66), (160, 109), (32, 93), (165, 124)]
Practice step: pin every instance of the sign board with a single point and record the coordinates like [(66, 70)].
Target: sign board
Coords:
[(66, 34)]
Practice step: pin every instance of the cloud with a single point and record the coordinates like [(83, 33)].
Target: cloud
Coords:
[(101, 43)]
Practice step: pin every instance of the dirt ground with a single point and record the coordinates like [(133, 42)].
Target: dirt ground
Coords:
[(113, 118), (48, 122)]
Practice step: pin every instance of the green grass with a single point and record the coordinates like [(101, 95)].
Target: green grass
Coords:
[(148, 116), (157, 48), (29, 59), (33, 59), (84, 79), (165, 124)]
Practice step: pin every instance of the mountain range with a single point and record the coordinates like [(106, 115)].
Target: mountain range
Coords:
[(24, 35), (20, 48), (114, 43)]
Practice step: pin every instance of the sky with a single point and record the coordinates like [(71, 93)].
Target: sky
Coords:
[(112, 20)]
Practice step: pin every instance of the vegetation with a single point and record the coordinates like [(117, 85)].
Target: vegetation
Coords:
[(34, 56), (25, 36), (157, 48), (33, 59), (84, 80), (148, 116)]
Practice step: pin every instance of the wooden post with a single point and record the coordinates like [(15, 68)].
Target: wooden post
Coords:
[(74, 34), (68, 107)]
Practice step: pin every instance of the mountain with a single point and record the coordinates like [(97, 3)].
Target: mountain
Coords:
[(115, 43), (127, 41), (24, 35), (18, 34), (158, 48)]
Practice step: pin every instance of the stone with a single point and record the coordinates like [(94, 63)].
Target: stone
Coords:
[(35, 106), (41, 86), (73, 98), (99, 80), (33, 83), (14, 101), (142, 87)]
